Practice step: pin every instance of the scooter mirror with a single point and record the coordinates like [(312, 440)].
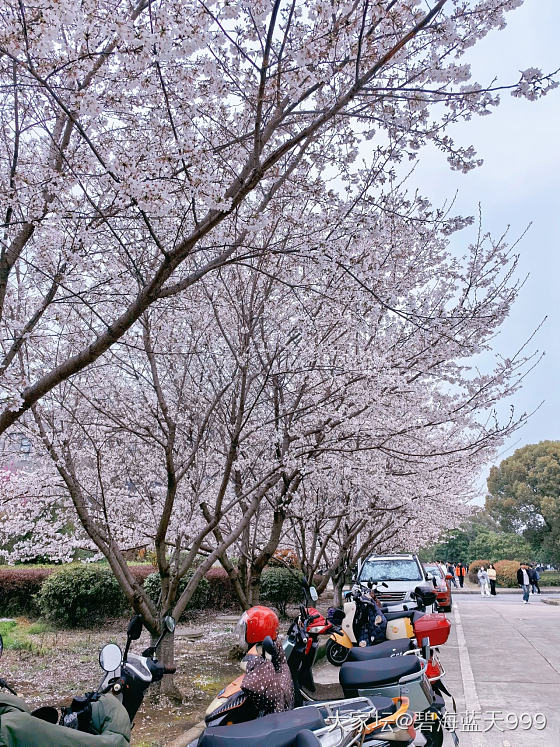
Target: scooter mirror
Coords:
[(169, 623), (1, 645), (268, 647), (134, 630), (110, 657), (313, 593)]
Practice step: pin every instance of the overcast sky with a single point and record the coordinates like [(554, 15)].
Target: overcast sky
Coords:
[(517, 185)]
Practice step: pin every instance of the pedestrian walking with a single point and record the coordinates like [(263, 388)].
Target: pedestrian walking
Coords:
[(460, 572), (534, 577), (483, 581), (492, 578), (523, 581), (451, 571)]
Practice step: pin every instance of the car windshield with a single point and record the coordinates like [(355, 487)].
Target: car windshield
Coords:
[(397, 569)]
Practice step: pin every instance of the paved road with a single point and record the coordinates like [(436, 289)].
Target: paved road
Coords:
[(502, 661)]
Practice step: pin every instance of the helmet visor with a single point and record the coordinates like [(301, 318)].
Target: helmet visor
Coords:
[(241, 631)]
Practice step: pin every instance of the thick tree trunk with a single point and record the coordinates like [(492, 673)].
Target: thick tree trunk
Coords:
[(338, 584), (165, 654), (255, 586)]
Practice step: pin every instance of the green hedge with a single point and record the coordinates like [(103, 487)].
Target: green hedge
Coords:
[(199, 599), (66, 602), (550, 578), (19, 588), (77, 596), (280, 586)]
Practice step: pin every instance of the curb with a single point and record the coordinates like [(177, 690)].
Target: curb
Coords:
[(189, 736)]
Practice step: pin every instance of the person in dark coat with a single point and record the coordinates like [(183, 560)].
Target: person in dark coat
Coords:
[(534, 577), (451, 571)]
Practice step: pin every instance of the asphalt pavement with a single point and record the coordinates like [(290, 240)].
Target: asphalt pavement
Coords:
[(502, 664)]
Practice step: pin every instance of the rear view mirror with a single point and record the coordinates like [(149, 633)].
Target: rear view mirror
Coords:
[(110, 657), (313, 593), (134, 630), (169, 623)]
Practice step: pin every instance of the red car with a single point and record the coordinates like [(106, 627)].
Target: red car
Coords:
[(443, 586)]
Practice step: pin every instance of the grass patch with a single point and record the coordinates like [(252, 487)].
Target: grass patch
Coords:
[(16, 635), (39, 627)]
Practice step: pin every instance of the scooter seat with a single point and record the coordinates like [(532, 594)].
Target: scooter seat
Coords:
[(380, 650), (306, 738), (413, 615), (361, 675), (275, 730)]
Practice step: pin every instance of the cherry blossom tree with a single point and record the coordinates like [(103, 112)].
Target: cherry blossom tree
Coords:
[(144, 143), (379, 377), (220, 318)]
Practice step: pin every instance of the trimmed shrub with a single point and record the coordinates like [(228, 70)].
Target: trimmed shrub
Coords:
[(221, 592), (75, 596), (280, 586), (506, 573), (199, 599), (18, 589), (474, 567), (549, 578)]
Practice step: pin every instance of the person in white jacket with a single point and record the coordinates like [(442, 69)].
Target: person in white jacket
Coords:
[(484, 582)]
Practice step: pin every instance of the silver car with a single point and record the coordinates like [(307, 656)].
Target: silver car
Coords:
[(402, 573)]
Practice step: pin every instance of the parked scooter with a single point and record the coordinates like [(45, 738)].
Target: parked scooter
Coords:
[(348, 623), (389, 676), (98, 718), (265, 686), (355, 721)]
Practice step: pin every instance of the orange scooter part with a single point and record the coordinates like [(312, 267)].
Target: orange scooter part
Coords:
[(233, 687), (402, 704)]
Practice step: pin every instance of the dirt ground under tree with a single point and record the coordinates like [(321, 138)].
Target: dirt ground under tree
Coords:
[(48, 667)]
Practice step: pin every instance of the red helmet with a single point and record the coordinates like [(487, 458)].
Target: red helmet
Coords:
[(255, 624)]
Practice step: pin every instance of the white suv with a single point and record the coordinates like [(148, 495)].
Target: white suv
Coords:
[(402, 573)]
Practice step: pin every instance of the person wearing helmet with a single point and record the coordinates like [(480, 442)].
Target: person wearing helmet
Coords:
[(255, 624), (268, 680)]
